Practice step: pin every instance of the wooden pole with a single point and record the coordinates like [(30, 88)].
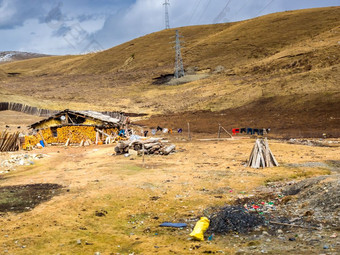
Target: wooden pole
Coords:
[(97, 137), (42, 138), (143, 153), (189, 135), (227, 132), (219, 131), (292, 225)]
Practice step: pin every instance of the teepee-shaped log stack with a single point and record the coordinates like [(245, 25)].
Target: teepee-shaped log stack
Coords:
[(261, 155)]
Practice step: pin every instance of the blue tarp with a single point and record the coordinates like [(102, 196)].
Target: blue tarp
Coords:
[(173, 225)]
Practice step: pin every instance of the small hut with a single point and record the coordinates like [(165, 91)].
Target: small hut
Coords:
[(76, 127)]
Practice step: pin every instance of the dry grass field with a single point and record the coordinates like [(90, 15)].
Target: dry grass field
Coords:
[(113, 205)]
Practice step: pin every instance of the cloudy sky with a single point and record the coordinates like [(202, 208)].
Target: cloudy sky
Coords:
[(81, 26)]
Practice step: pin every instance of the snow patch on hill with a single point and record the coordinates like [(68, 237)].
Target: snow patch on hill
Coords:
[(6, 56)]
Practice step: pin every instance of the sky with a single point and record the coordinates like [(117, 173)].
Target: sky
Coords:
[(60, 27)]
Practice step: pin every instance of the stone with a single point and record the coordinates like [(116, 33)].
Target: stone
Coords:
[(265, 233)]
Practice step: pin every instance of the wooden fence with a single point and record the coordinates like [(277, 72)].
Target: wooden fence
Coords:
[(26, 109), (4, 106), (9, 142)]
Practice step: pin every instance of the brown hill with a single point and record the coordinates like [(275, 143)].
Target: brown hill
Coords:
[(3, 75), (289, 60)]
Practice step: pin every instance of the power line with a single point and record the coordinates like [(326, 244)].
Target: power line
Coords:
[(167, 20), (243, 6), (204, 11), (264, 7), (222, 14), (192, 15)]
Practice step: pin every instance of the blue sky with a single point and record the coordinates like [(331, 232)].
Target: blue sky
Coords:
[(81, 26)]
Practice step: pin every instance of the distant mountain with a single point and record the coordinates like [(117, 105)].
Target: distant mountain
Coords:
[(7, 56)]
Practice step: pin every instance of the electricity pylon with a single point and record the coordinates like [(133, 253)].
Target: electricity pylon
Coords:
[(167, 21), (179, 70)]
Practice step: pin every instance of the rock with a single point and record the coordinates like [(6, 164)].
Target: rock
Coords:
[(239, 252), (133, 152), (78, 241), (280, 231), (265, 233)]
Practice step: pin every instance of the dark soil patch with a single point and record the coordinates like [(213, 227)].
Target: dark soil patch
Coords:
[(234, 219), (20, 198), (163, 79), (312, 119)]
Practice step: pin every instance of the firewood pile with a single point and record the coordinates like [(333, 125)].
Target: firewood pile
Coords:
[(9, 142), (150, 146), (261, 155), (80, 135)]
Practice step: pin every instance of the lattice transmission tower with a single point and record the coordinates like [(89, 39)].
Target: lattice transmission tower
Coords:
[(167, 20), (179, 70)]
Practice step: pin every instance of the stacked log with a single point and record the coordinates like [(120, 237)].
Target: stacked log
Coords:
[(151, 146), (9, 142), (261, 155)]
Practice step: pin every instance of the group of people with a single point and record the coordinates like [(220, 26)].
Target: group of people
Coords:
[(251, 131)]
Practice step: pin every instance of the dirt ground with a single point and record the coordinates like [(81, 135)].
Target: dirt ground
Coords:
[(16, 121), (114, 204), (308, 120)]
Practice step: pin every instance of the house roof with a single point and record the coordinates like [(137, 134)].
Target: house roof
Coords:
[(106, 119), (98, 116)]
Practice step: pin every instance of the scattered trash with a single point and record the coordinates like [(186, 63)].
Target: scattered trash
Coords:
[(7, 165), (173, 225), (199, 229)]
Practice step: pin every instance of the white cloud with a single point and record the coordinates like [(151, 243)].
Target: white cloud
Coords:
[(75, 26)]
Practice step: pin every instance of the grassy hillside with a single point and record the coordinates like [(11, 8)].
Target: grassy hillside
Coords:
[(279, 56)]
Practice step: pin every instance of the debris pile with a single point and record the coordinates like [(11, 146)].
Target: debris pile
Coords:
[(149, 146), (314, 142), (7, 165), (234, 219), (316, 199)]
